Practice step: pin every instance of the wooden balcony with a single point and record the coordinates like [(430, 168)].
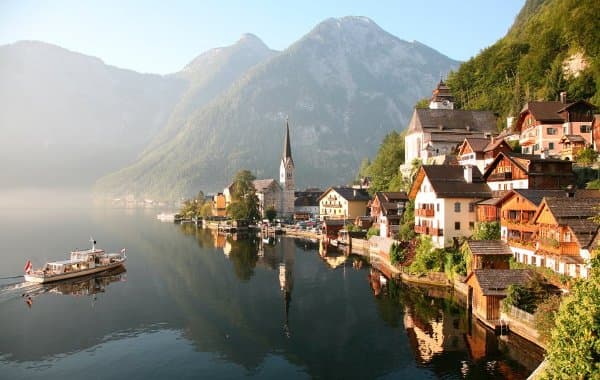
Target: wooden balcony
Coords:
[(529, 245), (422, 229), (436, 231), (500, 176), (563, 248), (426, 212), (515, 224)]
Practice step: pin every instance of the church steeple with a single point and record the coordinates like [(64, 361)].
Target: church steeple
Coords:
[(442, 97), (287, 148)]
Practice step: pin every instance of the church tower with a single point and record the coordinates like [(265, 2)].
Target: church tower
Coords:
[(286, 174), (442, 98)]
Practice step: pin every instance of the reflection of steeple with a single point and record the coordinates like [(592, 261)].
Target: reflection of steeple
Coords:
[(286, 284)]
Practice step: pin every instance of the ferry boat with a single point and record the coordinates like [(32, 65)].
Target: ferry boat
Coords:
[(81, 263)]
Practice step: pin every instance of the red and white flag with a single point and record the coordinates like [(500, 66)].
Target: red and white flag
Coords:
[(28, 267), (123, 250)]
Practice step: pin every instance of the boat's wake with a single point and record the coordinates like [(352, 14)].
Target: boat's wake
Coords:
[(19, 289)]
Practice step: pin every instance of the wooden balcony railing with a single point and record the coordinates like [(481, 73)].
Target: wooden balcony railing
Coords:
[(421, 229), (514, 224), (500, 176), (426, 212), (562, 248), (436, 231)]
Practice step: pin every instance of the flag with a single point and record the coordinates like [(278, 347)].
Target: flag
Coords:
[(123, 250), (28, 267)]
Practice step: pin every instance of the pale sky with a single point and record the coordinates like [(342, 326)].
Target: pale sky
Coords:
[(163, 36)]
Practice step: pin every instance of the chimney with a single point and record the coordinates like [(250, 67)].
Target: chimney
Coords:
[(354, 193), (468, 172), (543, 154), (570, 191), (563, 97)]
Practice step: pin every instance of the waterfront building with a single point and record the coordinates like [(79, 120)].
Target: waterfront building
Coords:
[(445, 198), (219, 205), (440, 129), (481, 151), (343, 203), (542, 124), (269, 195), (286, 175), (488, 254), (306, 204)]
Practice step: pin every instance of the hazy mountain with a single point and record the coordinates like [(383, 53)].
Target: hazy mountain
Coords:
[(68, 118), (208, 75), (344, 86)]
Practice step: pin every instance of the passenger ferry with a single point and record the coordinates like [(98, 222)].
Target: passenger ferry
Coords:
[(81, 263)]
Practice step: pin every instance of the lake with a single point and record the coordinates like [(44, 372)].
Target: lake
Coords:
[(195, 304)]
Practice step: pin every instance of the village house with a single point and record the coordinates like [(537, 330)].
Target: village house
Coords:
[(525, 171), (219, 205), (270, 195), (487, 254), (487, 287), (440, 129), (306, 205), (343, 203), (387, 208), (481, 151), (445, 198), (566, 235), (571, 145), (542, 124)]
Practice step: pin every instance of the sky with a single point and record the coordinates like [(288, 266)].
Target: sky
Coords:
[(161, 37)]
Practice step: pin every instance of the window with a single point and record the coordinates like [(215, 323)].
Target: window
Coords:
[(551, 145), (471, 207), (457, 226), (471, 226), (535, 147), (457, 207), (437, 207), (585, 129), (551, 131)]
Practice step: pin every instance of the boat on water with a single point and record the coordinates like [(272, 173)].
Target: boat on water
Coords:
[(81, 263)]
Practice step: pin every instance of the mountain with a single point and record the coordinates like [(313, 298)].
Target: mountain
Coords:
[(344, 86), (210, 74), (68, 118), (551, 47)]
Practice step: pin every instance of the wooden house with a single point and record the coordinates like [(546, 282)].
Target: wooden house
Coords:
[(525, 171), (487, 254), (481, 151), (487, 287), (571, 146), (566, 236), (386, 211)]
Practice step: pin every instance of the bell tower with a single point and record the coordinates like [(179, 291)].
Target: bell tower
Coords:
[(286, 174)]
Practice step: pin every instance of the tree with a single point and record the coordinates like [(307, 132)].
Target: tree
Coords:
[(192, 207), (427, 258), (545, 316), (586, 156), (386, 164), (487, 231), (574, 348), (244, 202)]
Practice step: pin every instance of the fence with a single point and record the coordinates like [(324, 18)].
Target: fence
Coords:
[(521, 315)]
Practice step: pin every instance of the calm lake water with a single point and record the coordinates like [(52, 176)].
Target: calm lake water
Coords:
[(192, 304)]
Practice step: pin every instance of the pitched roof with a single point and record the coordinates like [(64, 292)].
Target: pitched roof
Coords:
[(306, 201), (575, 213), (477, 144), (573, 138), (262, 184), (391, 196), (448, 122), (348, 193), (448, 181), (495, 282), (523, 161), (493, 144), (488, 247), (544, 111)]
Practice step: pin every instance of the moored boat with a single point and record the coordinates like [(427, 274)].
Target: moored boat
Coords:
[(81, 263)]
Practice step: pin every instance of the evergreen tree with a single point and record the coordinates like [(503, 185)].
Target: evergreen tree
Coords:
[(244, 202)]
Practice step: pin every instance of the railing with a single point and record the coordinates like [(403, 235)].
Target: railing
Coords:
[(521, 315), (422, 229), (500, 176), (427, 212), (436, 232), (515, 224), (529, 245), (563, 248)]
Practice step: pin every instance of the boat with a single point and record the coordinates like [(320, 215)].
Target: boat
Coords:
[(81, 263)]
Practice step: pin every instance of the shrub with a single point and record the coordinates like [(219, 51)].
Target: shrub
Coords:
[(427, 258), (373, 231), (397, 254), (545, 316)]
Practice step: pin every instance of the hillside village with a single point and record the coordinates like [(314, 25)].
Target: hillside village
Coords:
[(511, 213)]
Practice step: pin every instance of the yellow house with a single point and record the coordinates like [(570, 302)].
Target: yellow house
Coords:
[(343, 203)]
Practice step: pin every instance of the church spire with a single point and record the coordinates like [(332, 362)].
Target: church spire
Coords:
[(287, 148)]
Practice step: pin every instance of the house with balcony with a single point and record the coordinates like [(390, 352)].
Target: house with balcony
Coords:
[(481, 151), (566, 236), (440, 129), (571, 145), (526, 171), (542, 124), (343, 203), (445, 198), (387, 208)]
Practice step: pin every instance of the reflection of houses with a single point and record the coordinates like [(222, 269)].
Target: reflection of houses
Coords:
[(445, 198), (543, 124), (524, 171), (487, 287), (488, 254), (440, 129), (343, 203), (386, 210), (219, 205)]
